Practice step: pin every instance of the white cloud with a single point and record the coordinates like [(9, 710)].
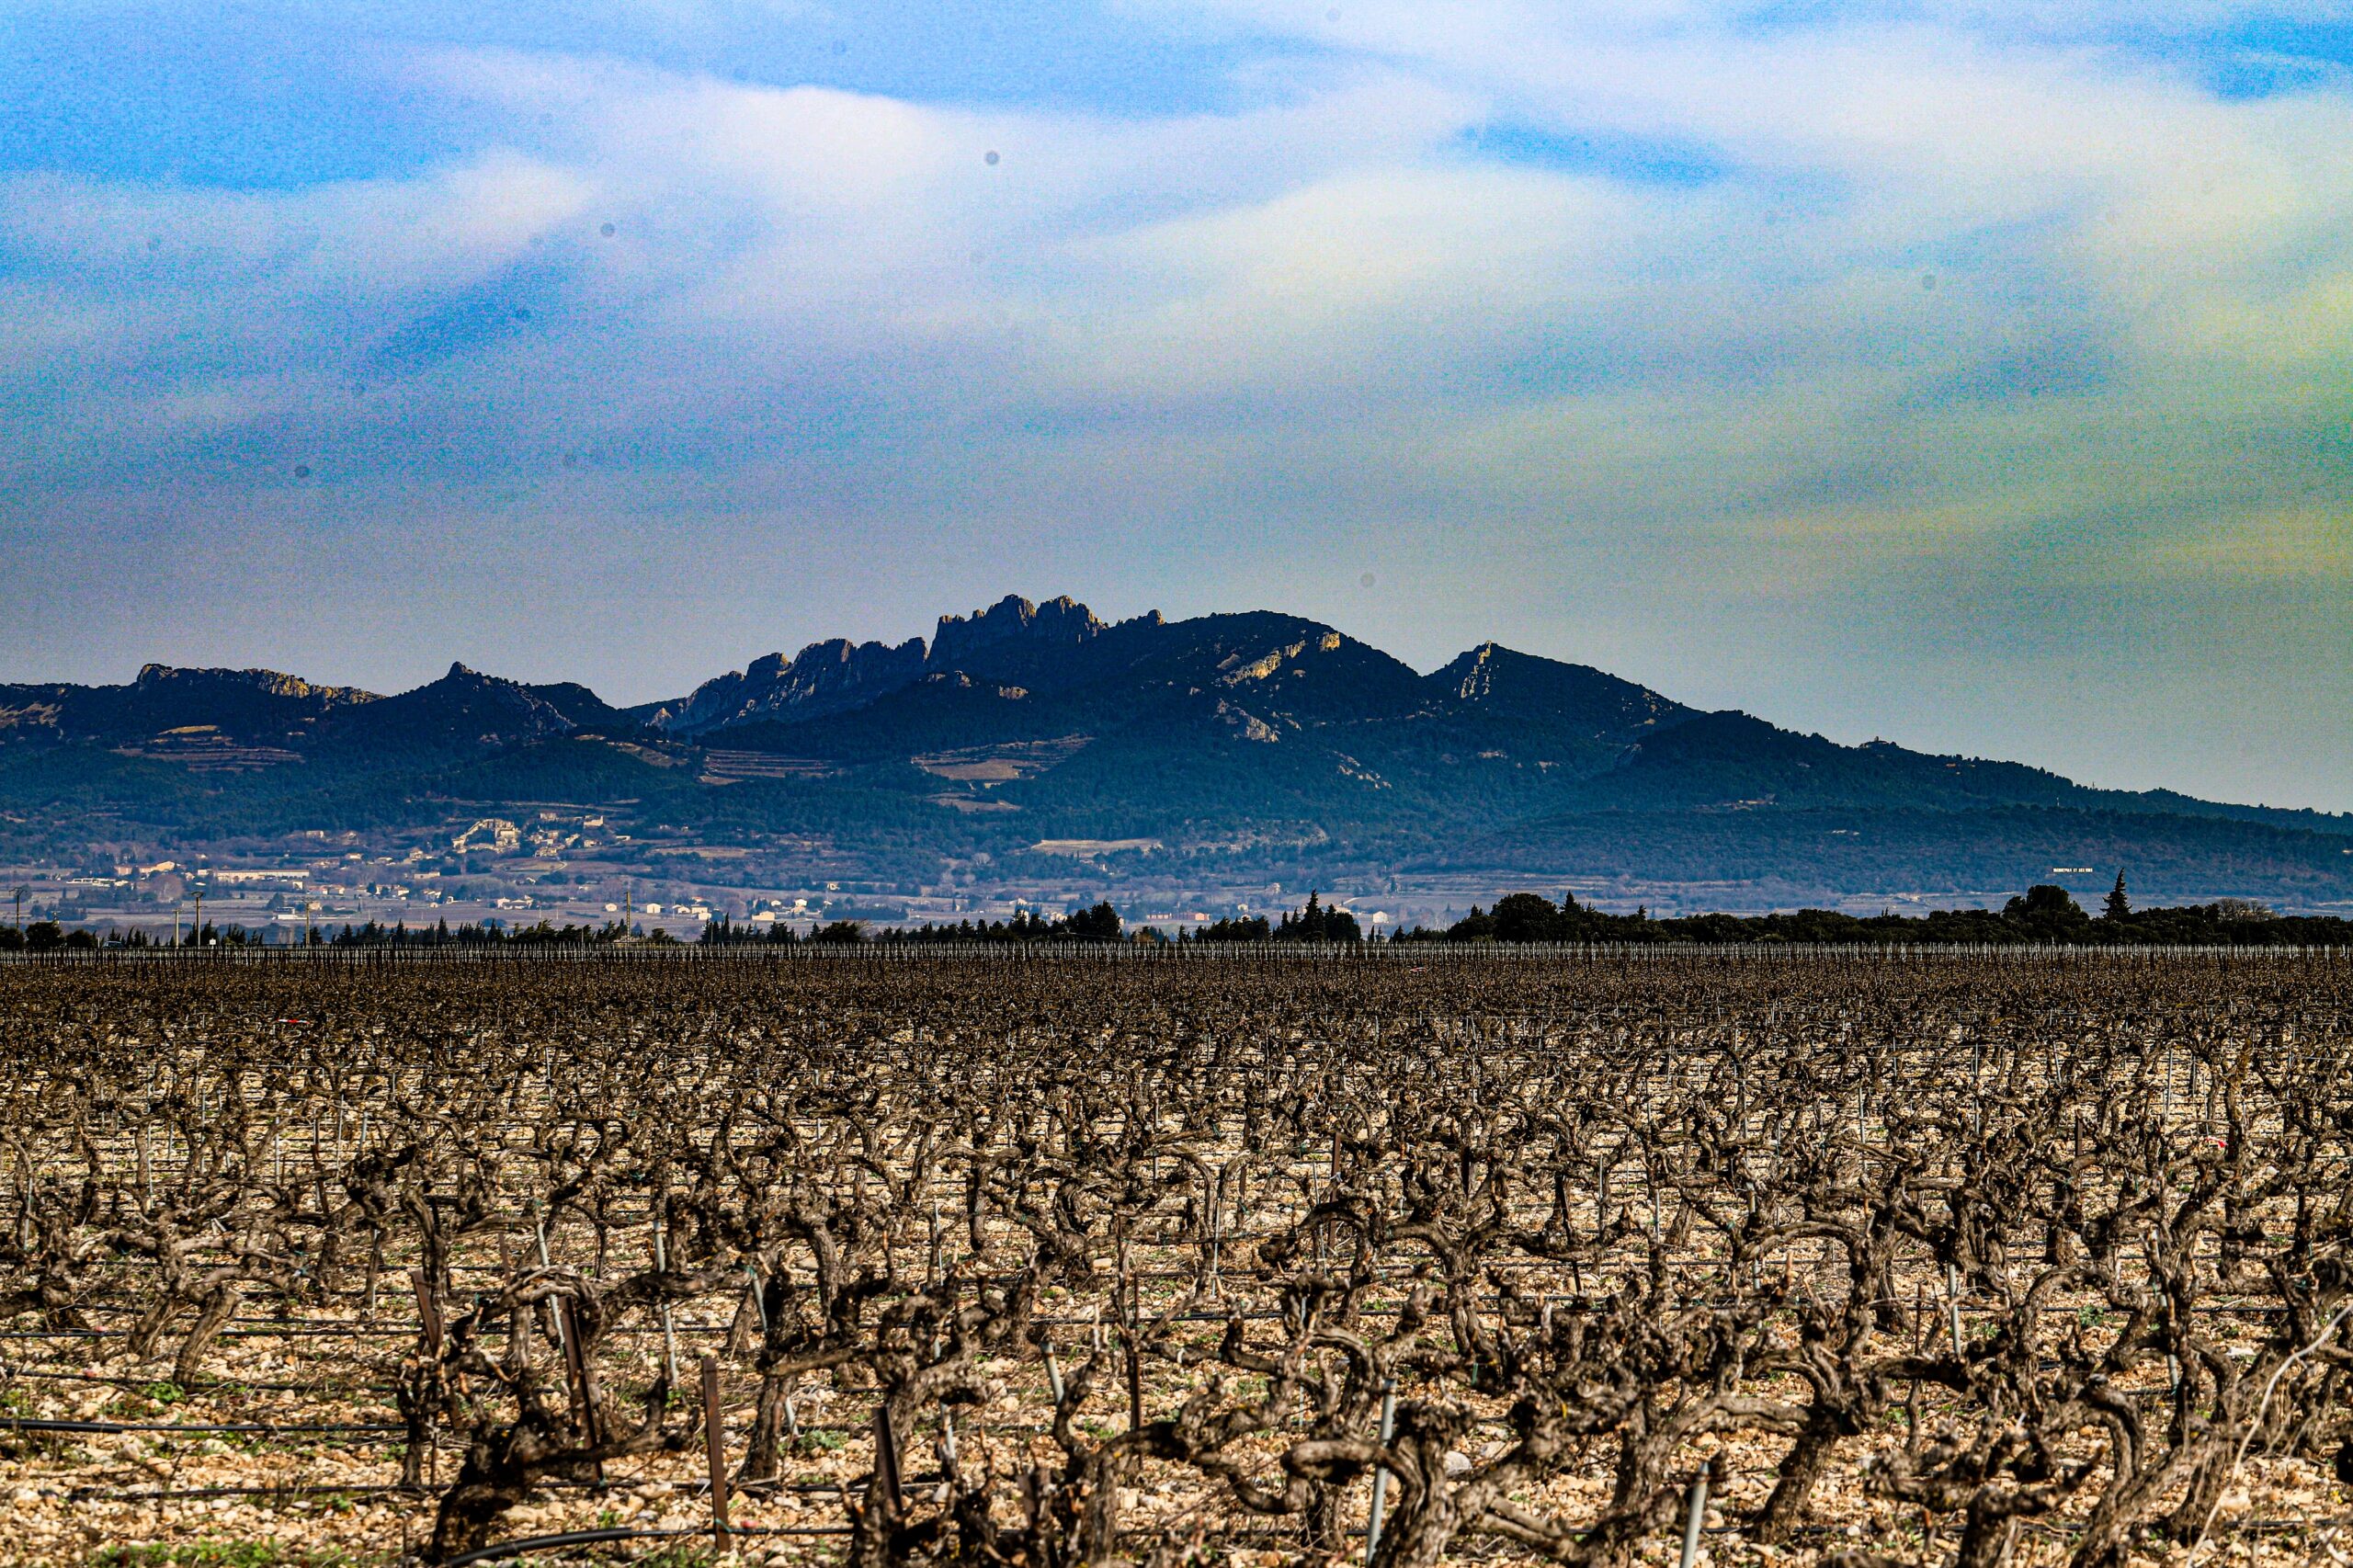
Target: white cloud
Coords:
[(1961, 286)]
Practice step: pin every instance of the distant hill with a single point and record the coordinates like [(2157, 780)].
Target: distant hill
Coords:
[(1234, 746), (462, 712), (258, 707)]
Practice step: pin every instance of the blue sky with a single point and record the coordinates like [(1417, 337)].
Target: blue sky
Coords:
[(1976, 376)]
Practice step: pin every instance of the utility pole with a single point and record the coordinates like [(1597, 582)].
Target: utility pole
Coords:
[(20, 912), (175, 923), (200, 916)]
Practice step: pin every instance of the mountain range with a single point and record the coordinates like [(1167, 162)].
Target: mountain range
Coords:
[(1025, 739)]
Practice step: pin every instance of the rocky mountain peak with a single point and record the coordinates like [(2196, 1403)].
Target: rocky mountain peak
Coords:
[(465, 707), (160, 680), (1503, 681), (1472, 673), (828, 676), (1061, 621), (835, 675)]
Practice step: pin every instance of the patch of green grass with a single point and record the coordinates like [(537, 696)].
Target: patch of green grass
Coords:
[(811, 1442), (215, 1554), (679, 1556)]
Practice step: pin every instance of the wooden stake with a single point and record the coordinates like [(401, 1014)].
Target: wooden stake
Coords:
[(714, 1443), (1136, 1381), (429, 1311), (886, 1461), (582, 1377)]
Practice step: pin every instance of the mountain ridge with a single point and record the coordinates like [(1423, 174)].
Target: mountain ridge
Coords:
[(1244, 740)]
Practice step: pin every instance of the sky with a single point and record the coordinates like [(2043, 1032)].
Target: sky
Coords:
[(1976, 376)]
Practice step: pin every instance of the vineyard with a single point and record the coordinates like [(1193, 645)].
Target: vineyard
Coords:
[(1617, 1257)]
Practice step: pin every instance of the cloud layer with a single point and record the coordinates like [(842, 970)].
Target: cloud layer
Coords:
[(1975, 376)]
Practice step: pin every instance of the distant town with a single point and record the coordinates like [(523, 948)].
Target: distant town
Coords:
[(569, 867), (560, 867)]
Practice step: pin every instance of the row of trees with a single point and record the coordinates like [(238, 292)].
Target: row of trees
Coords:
[(45, 936), (2043, 914), (1101, 923), (1315, 921)]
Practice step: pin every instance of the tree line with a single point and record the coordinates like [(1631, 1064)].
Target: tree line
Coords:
[(2043, 915)]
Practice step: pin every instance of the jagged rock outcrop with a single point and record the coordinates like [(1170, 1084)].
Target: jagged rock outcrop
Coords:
[(835, 675), (1011, 639), (832, 676), (160, 679), (1246, 724), (1059, 623)]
